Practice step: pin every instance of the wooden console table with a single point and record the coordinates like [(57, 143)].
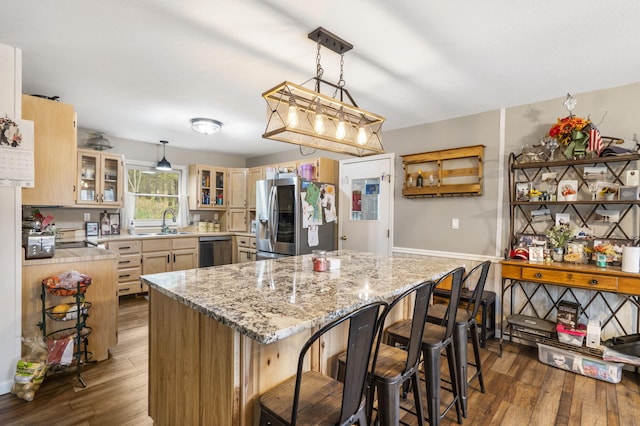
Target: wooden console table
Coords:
[(569, 278)]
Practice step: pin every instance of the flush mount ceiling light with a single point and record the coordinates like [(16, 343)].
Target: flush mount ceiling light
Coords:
[(163, 164), (206, 126), (306, 117), (98, 142)]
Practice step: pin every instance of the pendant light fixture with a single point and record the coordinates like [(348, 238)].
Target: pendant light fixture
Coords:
[(305, 117), (163, 164)]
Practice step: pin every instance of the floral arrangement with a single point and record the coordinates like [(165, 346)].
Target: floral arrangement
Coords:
[(559, 236), (606, 248), (564, 129), (535, 193)]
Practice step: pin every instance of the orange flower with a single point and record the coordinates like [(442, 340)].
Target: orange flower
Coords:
[(564, 128)]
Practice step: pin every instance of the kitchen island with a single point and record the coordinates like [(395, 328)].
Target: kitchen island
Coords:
[(221, 336)]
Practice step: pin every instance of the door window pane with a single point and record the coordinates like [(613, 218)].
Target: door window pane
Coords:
[(364, 199)]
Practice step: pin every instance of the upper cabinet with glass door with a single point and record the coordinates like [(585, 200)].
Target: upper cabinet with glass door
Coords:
[(207, 187), (100, 179)]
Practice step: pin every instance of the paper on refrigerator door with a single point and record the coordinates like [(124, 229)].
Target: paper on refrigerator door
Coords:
[(310, 215), (312, 238), (329, 202)]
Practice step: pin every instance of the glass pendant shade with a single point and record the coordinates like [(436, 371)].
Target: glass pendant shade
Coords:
[(163, 164)]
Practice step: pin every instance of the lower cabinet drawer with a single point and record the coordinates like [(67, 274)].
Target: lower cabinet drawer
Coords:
[(131, 287), (573, 279), (128, 274)]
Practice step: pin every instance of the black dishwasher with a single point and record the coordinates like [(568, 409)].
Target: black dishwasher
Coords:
[(214, 251)]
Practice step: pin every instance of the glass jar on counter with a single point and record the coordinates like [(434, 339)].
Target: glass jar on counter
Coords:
[(319, 258)]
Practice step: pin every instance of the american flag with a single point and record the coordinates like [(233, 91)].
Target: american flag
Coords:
[(595, 140)]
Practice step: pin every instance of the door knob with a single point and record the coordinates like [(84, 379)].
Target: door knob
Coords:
[(343, 238)]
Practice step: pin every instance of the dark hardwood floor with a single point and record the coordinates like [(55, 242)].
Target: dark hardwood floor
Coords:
[(520, 389)]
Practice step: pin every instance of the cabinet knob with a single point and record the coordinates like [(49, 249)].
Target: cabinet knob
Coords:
[(538, 275), (593, 282)]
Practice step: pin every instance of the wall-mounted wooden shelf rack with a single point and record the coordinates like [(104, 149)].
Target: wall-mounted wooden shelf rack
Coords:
[(448, 172)]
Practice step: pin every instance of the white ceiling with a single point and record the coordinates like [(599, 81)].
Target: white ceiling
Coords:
[(141, 69)]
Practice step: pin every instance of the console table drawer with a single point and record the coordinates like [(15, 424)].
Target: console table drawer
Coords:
[(511, 272), (628, 285), (572, 279)]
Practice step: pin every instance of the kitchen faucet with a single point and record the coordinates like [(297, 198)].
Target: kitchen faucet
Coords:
[(165, 228)]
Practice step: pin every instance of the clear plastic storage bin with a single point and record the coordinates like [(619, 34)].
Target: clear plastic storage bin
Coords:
[(580, 364)]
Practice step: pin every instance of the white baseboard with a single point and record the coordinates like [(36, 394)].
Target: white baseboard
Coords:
[(449, 255)]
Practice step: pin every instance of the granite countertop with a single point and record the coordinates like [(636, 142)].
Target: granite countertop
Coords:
[(81, 254), (272, 299)]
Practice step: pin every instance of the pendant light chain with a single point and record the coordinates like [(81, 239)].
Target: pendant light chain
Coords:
[(319, 69), (341, 82)]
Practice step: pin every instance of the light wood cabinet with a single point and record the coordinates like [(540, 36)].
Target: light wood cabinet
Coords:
[(237, 188), (237, 220), (129, 266), (102, 293), (100, 179), (55, 151), (207, 187), (323, 169), (245, 249), (255, 174), (169, 254)]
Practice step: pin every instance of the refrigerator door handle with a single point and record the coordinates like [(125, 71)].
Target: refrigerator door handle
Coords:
[(273, 216)]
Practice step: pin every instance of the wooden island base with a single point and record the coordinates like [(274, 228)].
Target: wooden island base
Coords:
[(203, 372)]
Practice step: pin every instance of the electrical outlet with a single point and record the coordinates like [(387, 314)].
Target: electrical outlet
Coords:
[(87, 217), (455, 223)]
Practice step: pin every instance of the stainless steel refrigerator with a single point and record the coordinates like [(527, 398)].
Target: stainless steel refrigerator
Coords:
[(281, 230)]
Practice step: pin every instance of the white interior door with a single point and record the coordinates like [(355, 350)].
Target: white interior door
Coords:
[(366, 204)]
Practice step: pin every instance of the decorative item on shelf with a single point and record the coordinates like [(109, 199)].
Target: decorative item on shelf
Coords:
[(568, 190), (558, 237), (608, 193), (306, 117), (98, 142), (576, 134), (419, 179), (534, 194)]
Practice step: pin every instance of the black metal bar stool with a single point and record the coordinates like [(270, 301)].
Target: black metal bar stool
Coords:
[(310, 397), (465, 323), (435, 339)]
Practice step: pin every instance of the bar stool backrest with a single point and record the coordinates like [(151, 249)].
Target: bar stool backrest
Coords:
[(363, 324), (456, 285), (480, 271), (423, 294)]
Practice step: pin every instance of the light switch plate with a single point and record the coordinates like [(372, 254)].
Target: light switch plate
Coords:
[(87, 217), (455, 223)]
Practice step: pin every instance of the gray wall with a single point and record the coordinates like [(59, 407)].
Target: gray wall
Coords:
[(425, 223)]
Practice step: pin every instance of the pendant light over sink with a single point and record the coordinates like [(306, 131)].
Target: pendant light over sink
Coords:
[(164, 165)]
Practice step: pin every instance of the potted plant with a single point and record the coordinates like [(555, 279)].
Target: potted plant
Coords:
[(558, 237)]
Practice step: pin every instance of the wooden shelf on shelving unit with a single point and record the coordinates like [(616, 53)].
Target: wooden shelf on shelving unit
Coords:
[(448, 172)]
